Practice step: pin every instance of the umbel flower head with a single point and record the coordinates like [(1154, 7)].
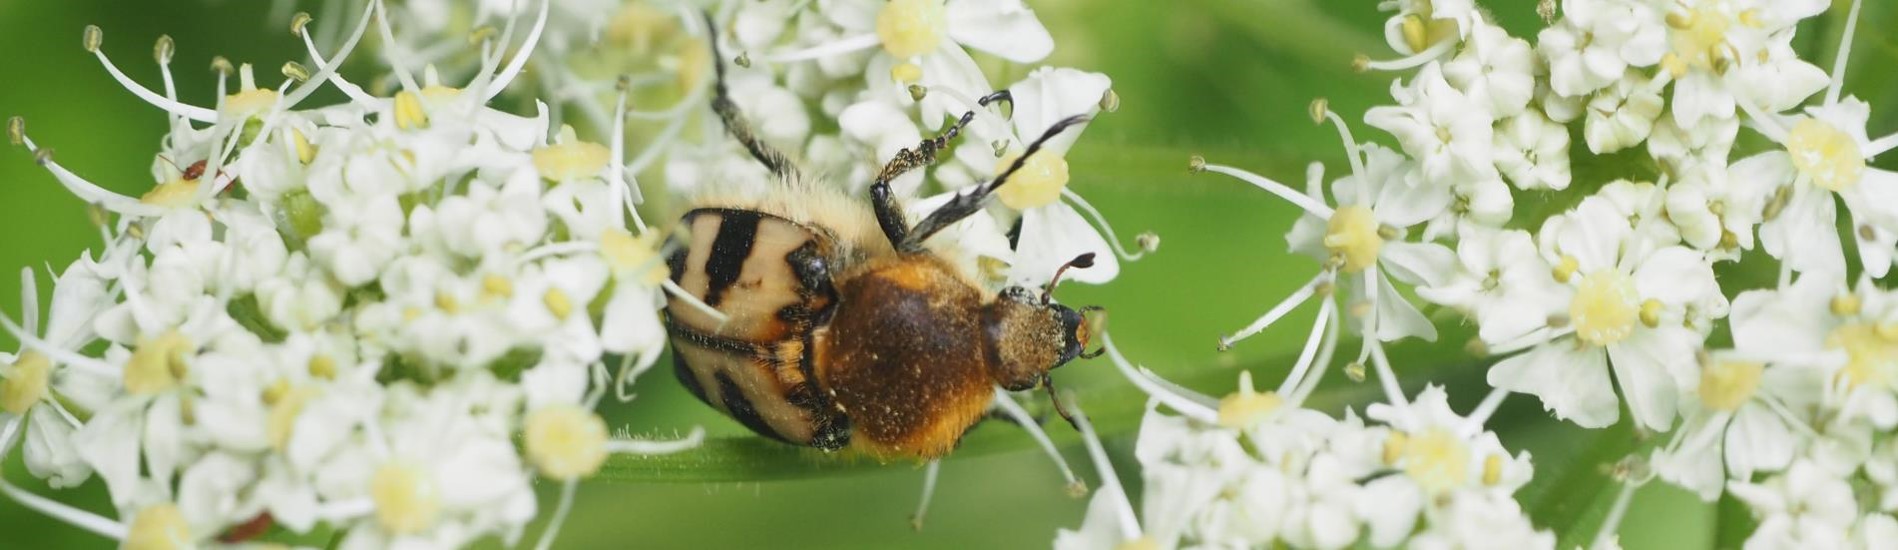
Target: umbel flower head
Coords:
[(385, 317)]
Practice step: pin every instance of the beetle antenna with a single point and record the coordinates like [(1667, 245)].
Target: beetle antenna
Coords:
[(1047, 382), (1083, 261)]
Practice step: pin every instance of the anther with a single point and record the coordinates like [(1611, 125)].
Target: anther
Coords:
[(163, 49), (623, 83), (1148, 241), (1110, 101), (92, 38), (917, 91), (1477, 348), (1361, 63), (298, 22), (1354, 371), (1196, 164), (16, 130), (1319, 108), (1866, 232), (43, 156), (295, 71), (743, 60), (1546, 10), (222, 66), (1001, 147)]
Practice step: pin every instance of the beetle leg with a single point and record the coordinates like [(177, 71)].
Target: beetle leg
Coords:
[(965, 204), (734, 119), (888, 211)]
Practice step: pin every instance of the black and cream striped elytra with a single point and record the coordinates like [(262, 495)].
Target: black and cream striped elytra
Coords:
[(838, 324)]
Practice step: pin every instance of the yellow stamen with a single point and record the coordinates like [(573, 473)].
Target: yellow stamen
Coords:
[(1492, 469), (282, 419), (1566, 269), (322, 367), (496, 286)]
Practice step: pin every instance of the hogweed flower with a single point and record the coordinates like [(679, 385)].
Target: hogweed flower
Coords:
[(379, 330)]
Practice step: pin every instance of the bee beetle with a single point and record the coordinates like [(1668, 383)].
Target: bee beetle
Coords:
[(841, 329)]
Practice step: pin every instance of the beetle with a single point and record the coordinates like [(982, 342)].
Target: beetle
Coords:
[(841, 328)]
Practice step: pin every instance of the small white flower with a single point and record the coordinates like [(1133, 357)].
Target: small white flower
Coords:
[(1626, 311), (1532, 151), (1806, 507), (1495, 70), (1448, 133), (1623, 115)]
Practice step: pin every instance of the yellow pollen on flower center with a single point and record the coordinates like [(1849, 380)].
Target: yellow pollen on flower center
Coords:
[(1825, 155), (565, 442), (249, 100), (495, 285), (406, 499), (1725, 385), (634, 257), (1605, 307), (1436, 459), (1352, 235), (1871, 354), (1038, 183), (558, 303), (909, 28), (158, 527), (157, 364), (571, 158), (1698, 36), (1240, 409), (25, 385)]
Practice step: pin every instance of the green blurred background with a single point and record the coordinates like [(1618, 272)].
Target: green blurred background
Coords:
[(1229, 79)]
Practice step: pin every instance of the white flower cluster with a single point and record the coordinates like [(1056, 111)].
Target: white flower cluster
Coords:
[(1609, 304), (1260, 470), (377, 322), (890, 74)]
